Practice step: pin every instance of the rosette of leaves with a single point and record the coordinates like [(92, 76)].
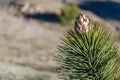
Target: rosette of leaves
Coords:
[(88, 55)]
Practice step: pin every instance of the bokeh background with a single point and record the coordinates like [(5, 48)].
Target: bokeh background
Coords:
[(30, 31)]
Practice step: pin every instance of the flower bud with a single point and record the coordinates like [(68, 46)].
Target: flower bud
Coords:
[(82, 23)]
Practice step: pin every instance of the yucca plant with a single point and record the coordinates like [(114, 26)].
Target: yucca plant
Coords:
[(88, 52)]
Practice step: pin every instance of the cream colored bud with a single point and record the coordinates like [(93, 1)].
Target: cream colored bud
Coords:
[(82, 23)]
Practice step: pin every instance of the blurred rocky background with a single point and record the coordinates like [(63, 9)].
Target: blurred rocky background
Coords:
[(30, 31)]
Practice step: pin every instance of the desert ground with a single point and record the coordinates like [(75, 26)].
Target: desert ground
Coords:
[(28, 40)]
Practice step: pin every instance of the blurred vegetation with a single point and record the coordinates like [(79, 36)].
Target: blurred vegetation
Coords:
[(3, 77), (68, 14), (118, 37), (40, 77), (35, 78)]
